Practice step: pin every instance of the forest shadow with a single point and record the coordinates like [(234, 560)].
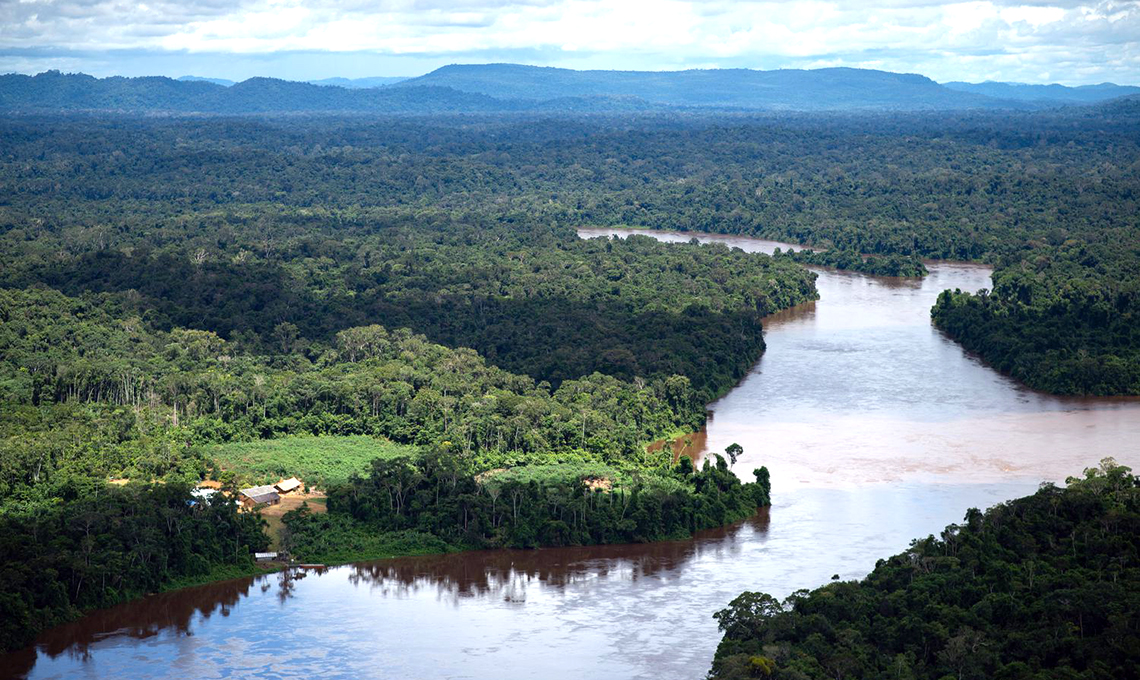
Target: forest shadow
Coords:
[(551, 338)]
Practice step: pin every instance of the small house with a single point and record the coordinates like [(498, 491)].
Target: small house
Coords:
[(264, 556), (288, 485), (258, 495)]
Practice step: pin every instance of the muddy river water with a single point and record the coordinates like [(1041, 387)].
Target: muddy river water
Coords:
[(877, 430)]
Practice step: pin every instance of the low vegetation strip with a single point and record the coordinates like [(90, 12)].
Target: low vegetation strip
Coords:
[(554, 475), (336, 539)]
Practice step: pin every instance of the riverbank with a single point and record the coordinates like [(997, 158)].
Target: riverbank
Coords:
[(354, 543), (1030, 573), (215, 575)]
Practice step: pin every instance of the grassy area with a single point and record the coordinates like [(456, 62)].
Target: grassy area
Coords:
[(318, 461)]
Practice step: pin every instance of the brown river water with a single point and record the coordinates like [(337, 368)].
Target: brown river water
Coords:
[(877, 430)]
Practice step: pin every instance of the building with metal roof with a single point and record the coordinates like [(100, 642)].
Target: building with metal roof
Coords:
[(288, 485), (257, 495)]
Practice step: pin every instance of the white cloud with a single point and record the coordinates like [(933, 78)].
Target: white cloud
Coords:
[(1034, 16), (1071, 40)]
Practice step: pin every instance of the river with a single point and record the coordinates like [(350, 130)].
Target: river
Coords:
[(877, 430)]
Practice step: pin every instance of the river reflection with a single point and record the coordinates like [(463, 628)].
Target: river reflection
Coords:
[(507, 574), (159, 629), (170, 615), (877, 430)]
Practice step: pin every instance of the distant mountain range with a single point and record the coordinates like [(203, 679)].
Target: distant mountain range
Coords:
[(53, 91), (1084, 94), (350, 83), (359, 83), (802, 90), (198, 79), (513, 88)]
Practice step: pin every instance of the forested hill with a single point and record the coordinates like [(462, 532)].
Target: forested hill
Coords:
[(1046, 586), (502, 88), (54, 91)]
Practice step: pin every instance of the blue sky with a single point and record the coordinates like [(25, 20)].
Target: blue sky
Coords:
[(1067, 41)]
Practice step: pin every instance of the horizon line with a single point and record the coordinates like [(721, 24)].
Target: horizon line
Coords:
[(236, 81)]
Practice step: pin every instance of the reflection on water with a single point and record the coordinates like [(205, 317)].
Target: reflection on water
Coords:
[(281, 611), (877, 430), (170, 615), (506, 574)]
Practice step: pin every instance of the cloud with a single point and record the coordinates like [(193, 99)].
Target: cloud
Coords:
[(1061, 40)]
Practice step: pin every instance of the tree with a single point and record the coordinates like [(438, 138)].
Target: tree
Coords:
[(733, 451), (747, 613)]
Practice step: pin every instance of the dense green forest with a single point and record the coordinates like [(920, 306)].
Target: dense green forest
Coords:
[(535, 301), (92, 393), (203, 324), (963, 187), (1066, 320), (1046, 586), (310, 207)]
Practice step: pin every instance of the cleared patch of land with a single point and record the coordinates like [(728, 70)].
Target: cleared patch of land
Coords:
[(272, 514), (317, 461)]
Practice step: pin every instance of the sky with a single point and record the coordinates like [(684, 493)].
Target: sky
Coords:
[(1073, 42)]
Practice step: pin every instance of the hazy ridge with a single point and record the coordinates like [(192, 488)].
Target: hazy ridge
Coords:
[(515, 88)]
